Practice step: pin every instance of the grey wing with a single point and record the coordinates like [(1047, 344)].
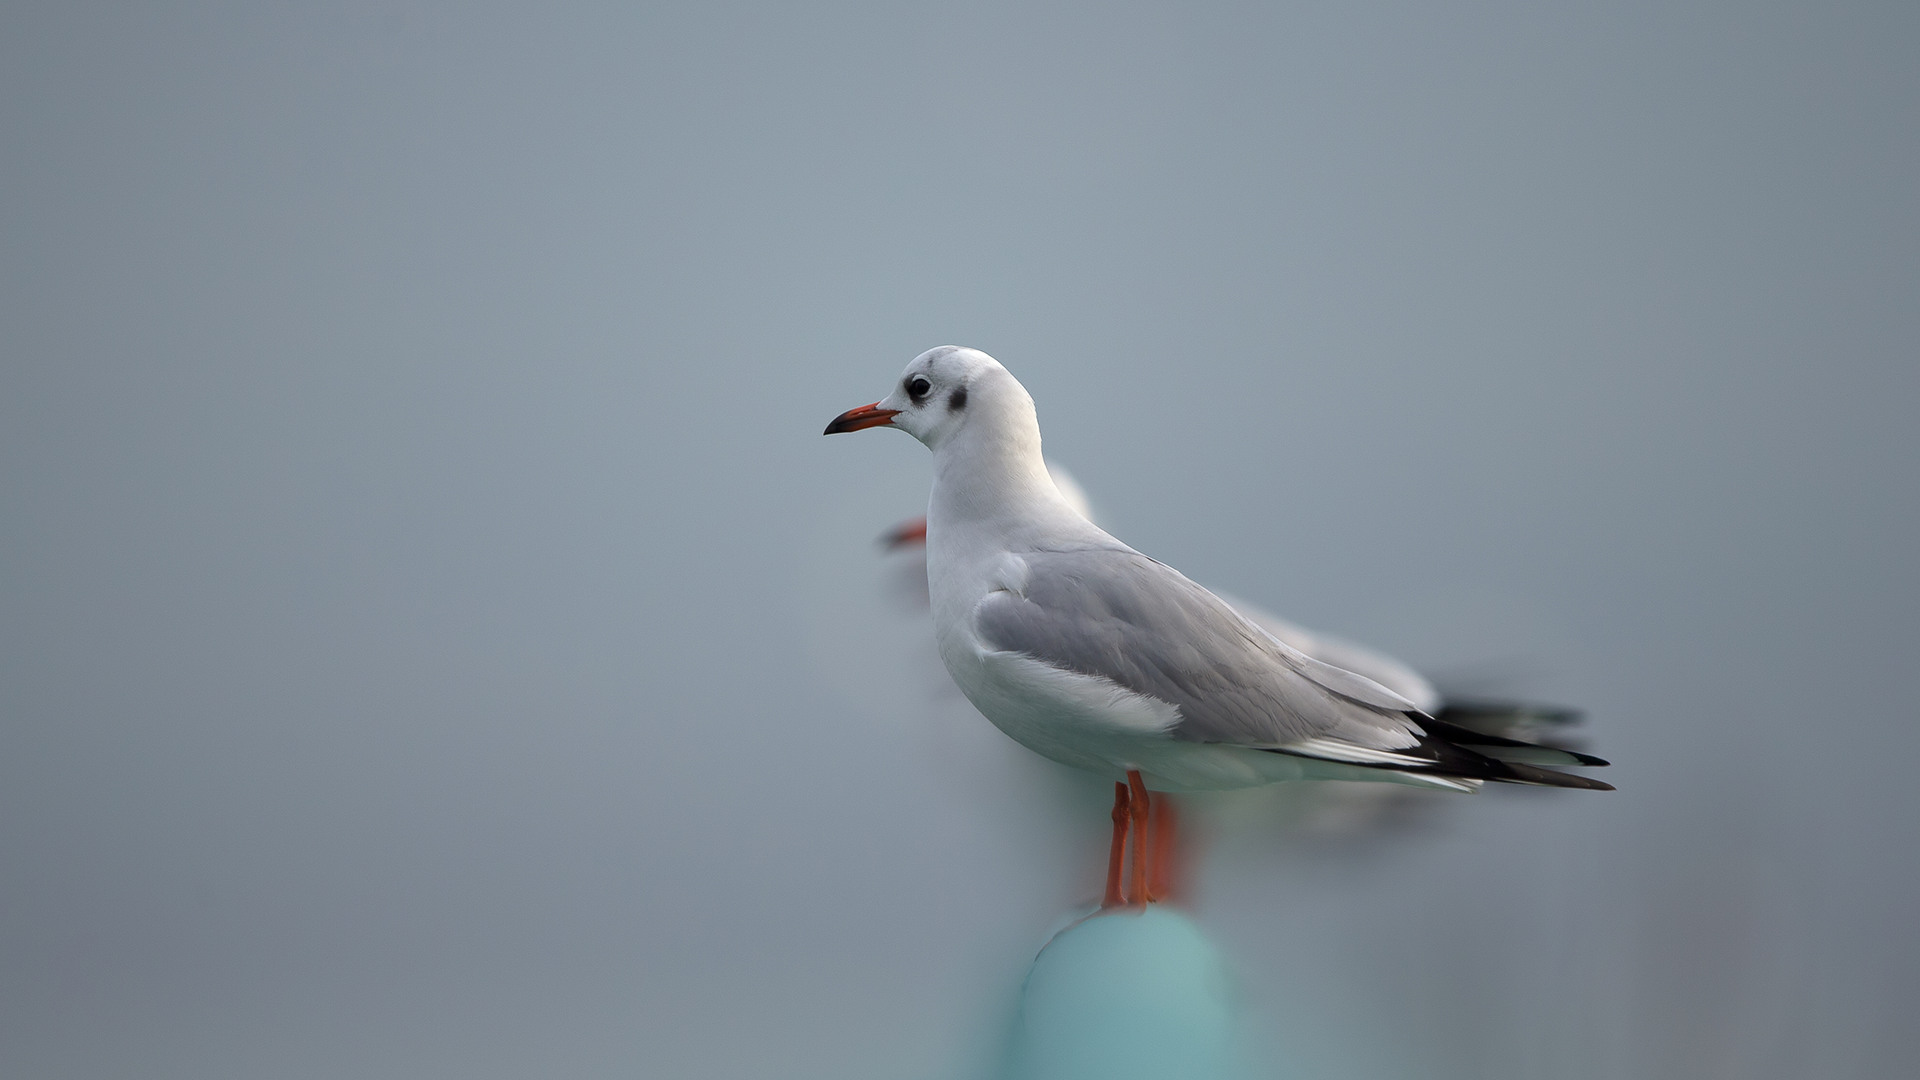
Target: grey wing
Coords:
[(1117, 614), (1344, 654)]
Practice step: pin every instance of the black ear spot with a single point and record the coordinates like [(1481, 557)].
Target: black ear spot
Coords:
[(957, 400)]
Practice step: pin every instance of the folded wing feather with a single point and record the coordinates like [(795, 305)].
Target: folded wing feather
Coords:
[(1117, 614)]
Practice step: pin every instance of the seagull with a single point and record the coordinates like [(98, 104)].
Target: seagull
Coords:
[(1099, 657), (1327, 812)]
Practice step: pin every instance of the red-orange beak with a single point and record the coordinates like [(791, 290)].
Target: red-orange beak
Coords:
[(865, 416)]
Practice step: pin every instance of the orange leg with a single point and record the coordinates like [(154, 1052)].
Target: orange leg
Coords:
[(1137, 885), (1117, 854), (1164, 870)]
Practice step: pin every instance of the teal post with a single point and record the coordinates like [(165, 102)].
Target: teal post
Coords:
[(1127, 994)]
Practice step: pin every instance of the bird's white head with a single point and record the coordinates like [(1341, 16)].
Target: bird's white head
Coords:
[(946, 392), (985, 437)]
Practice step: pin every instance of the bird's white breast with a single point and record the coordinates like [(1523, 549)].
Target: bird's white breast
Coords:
[(1081, 720)]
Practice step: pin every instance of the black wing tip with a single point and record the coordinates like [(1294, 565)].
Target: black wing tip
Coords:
[(1452, 762), (1488, 744), (1456, 755), (1528, 774)]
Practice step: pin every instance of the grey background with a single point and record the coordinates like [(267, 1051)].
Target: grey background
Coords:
[(439, 643)]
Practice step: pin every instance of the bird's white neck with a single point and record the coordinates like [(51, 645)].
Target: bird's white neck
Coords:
[(992, 478)]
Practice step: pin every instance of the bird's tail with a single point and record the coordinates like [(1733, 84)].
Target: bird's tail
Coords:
[(1482, 738)]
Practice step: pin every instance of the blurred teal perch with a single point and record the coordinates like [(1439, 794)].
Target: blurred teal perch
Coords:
[(1127, 994)]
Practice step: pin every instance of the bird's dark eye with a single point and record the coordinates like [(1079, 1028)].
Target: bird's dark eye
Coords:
[(917, 387)]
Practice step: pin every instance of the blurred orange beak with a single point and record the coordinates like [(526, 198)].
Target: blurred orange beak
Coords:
[(865, 416), (905, 534)]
